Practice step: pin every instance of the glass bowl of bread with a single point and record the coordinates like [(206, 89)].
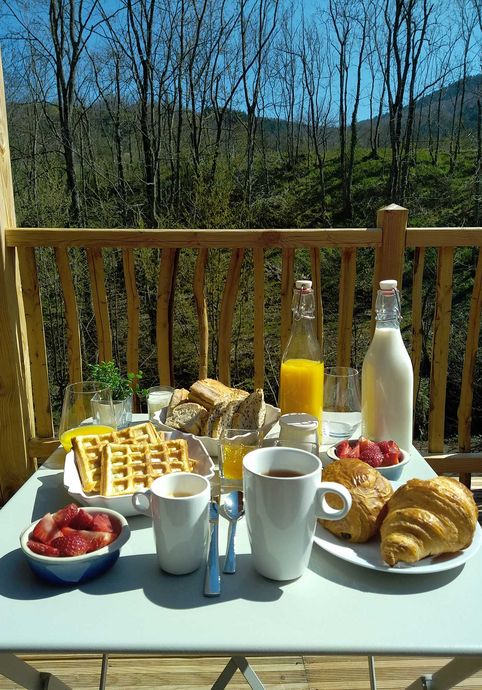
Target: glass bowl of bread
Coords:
[(104, 470), (209, 406)]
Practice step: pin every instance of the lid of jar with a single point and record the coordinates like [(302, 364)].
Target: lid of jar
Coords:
[(303, 284), (300, 420), (388, 285)]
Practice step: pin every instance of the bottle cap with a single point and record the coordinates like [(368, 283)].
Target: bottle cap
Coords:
[(303, 284), (388, 285)]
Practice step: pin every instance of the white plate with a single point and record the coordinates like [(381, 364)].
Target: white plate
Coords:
[(368, 555), (390, 472), (212, 444), (123, 504)]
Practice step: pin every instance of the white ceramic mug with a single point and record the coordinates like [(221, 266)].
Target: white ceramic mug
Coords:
[(179, 506), (284, 495)]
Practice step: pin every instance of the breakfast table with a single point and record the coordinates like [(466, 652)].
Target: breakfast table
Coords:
[(338, 607)]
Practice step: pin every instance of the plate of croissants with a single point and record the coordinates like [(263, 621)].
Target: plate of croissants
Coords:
[(421, 526)]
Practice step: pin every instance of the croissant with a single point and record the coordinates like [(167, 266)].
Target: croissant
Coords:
[(427, 518), (369, 491)]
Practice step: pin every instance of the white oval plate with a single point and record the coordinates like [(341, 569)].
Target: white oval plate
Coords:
[(392, 471), (212, 444), (123, 504), (368, 555)]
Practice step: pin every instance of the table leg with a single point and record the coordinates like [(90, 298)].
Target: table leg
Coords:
[(27, 676), (371, 670), (235, 663), (450, 675)]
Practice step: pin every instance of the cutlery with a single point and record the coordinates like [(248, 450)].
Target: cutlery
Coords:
[(232, 509), (212, 580)]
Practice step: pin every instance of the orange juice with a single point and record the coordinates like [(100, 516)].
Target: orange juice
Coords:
[(232, 458), (87, 430), (301, 387)]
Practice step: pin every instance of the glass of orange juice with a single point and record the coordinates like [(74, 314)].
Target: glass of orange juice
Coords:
[(87, 409), (234, 444)]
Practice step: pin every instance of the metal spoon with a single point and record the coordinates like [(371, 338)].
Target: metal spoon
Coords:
[(232, 509)]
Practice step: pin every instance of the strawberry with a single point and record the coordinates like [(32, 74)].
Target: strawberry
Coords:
[(83, 520), (391, 453), (64, 516), (343, 449), (46, 530), (365, 443), (102, 523), (42, 549), (96, 540), (73, 545), (372, 455), (354, 451)]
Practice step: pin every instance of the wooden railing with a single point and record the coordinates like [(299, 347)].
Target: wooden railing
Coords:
[(26, 422)]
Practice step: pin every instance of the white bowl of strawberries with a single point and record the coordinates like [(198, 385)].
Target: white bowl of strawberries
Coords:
[(385, 456), (74, 544)]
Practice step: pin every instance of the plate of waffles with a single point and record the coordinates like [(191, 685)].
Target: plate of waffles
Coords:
[(105, 470)]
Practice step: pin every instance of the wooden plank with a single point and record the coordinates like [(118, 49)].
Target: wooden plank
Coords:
[(393, 221), (287, 285), (201, 310), (258, 335), (444, 237), (133, 311), (464, 412), (455, 463), (71, 315), (193, 238), (227, 312), (345, 306), (417, 334), (99, 300), (36, 342), (165, 297), (440, 350), (16, 410), (316, 280)]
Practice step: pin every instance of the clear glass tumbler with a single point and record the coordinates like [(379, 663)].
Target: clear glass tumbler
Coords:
[(87, 409), (234, 444), (341, 404)]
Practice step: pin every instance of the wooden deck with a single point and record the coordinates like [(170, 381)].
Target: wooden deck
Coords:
[(279, 673)]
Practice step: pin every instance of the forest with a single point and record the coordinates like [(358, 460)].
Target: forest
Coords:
[(241, 113)]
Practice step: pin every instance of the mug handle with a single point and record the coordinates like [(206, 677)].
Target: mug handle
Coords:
[(141, 500), (323, 509)]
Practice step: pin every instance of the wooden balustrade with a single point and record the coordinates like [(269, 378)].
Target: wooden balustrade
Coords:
[(25, 408)]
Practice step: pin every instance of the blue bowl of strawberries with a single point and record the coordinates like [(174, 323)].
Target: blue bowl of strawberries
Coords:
[(385, 456), (74, 544)]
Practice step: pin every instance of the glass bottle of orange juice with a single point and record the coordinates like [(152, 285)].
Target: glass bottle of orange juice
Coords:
[(302, 369)]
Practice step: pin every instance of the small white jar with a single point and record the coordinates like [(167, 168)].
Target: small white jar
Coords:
[(299, 427)]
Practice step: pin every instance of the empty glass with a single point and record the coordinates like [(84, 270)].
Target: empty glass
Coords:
[(341, 403), (87, 409)]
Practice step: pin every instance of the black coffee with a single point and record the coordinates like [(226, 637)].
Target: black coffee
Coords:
[(282, 473)]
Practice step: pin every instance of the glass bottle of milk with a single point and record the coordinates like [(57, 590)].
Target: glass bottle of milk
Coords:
[(387, 375)]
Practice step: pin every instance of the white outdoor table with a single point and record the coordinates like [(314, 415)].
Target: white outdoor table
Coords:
[(336, 608)]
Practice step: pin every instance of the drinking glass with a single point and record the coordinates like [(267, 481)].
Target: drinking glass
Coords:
[(87, 409), (158, 398), (309, 446), (341, 403), (234, 444)]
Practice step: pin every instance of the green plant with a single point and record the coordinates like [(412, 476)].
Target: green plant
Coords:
[(108, 373)]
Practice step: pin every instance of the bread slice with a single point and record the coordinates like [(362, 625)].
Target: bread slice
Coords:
[(221, 416), (208, 392), (251, 412), (189, 417), (180, 395)]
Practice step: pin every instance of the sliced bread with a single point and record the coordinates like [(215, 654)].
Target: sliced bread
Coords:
[(189, 417), (251, 412)]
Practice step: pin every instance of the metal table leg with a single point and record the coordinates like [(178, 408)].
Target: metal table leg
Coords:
[(27, 676), (450, 675), (235, 663), (371, 671)]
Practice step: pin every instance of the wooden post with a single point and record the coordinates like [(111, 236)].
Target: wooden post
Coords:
[(390, 257), (15, 397)]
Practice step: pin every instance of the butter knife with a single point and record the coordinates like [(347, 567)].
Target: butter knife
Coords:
[(212, 580)]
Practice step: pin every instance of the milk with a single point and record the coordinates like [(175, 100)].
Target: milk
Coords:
[(387, 388)]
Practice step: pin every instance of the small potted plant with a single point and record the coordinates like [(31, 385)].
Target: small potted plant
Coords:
[(122, 387)]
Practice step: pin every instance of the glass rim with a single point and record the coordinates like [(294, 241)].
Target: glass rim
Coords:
[(87, 387), (341, 372)]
